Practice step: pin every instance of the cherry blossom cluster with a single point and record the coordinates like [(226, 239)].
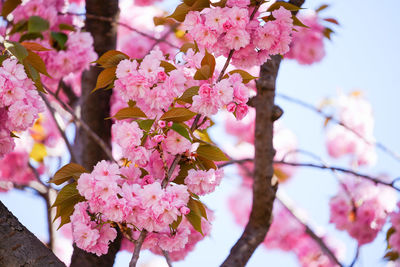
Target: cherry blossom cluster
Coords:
[(355, 112), (20, 103), (221, 30), (46, 9), (307, 46), (14, 170), (361, 208), (286, 232)]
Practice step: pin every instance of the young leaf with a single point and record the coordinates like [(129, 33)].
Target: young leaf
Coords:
[(16, 49), (180, 12), (167, 66), (247, 77), (287, 6), (105, 78), (211, 152), (195, 221), (37, 62), (9, 6), (187, 96), (37, 24), (145, 125), (332, 20), (111, 58), (204, 73), (197, 207), (129, 113), (20, 26), (31, 36), (180, 129), (208, 60), (34, 46), (71, 170), (66, 27), (178, 115), (176, 223), (59, 39), (328, 32), (322, 7), (185, 47), (206, 163), (183, 172), (297, 22), (65, 202)]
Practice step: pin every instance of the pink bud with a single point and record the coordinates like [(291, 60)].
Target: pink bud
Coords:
[(161, 76), (162, 124), (231, 107), (184, 210), (158, 138), (170, 124)]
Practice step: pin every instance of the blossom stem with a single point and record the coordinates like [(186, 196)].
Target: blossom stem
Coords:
[(167, 258), (138, 246)]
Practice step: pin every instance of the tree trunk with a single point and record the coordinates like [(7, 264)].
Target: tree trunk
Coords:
[(19, 247), (94, 109)]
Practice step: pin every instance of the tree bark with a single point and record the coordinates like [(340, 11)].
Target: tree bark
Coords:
[(94, 109), (19, 247), (263, 191)]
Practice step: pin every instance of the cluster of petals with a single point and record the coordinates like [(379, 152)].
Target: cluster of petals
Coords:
[(361, 208), (20, 103), (307, 46), (89, 235), (203, 182), (14, 170), (357, 139), (46, 9), (221, 30)]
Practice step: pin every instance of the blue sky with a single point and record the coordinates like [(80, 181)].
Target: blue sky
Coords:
[(363, 55)]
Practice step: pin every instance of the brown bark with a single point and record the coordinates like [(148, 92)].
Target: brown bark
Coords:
[(94, 109), (19, 246), (263, 191)]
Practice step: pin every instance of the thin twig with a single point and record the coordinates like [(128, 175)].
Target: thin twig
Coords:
[(317, 166), (302, 103), (138, 246), (85, 127), (289, 207), (62, 133), (90, 16), (167, 258), (355, 257)]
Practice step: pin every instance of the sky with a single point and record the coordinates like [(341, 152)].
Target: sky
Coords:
[(363, 55)]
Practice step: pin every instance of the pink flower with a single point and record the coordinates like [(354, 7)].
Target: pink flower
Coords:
[(176, 143), (236, 39), (203, 182)]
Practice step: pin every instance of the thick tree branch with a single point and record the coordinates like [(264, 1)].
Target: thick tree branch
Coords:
[(94, 109), (19, 247)]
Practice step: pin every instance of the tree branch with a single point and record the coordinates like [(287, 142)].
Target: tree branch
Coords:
[(302, 103), (138, 247), (19, 247)]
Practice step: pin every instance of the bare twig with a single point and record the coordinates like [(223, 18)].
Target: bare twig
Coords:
[(101, 18), (289, 207), (355, 257), (167, 258), (138, 246), (62, 133), (92, 134), (302, 103)]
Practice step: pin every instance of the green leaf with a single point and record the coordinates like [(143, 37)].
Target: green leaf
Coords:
[(33, 74), (211, 152), (2, 58), (176, 223), (66, 27), (287, 6), (105, 78), (111, 58), (37, 24), (69, 171), (16, 49), (129, 113), (247, 77), (145, 125), (9, 6), (188, 95), (197, 207), (65, 202), (59, 39), (195, 221), (36, 62), (20, 26), (180, 129), (183, 172), (168, 67), (206, 163), (31, 36), (178, 115)]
